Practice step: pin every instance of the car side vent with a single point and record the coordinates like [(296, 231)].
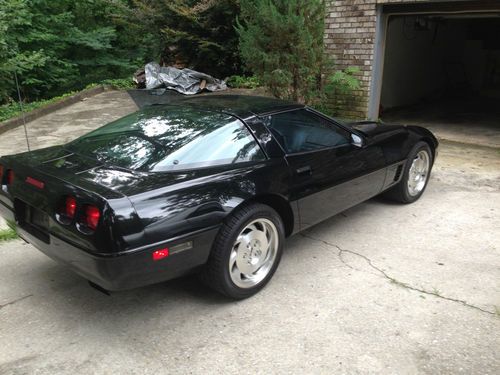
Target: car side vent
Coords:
[(397, 175)]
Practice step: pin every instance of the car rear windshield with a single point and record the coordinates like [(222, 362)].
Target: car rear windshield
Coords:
[(169, 138)]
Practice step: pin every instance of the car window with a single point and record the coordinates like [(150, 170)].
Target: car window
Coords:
[(171, 138), (301, 130)]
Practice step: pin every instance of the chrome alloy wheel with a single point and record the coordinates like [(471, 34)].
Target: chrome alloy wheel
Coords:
[(419, 172), (254, 253)]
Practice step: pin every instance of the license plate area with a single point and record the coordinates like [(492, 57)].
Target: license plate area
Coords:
[(32, 220)]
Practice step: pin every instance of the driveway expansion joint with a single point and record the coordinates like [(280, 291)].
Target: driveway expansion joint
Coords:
[(391, 279)]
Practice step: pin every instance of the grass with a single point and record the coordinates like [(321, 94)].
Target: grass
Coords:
[(243, 82), (7, 234), (11, 110)]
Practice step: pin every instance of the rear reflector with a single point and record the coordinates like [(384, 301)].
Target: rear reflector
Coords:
[(35, 182), (10, 176), (160, 254), (92, 215), (70, 208)]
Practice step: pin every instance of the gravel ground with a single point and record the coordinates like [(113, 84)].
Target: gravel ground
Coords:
[(381, 288)]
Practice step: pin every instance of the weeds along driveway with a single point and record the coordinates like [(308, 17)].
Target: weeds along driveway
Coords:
[(381, 288)]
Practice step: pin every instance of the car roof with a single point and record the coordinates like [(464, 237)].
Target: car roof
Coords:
[(242, 106)]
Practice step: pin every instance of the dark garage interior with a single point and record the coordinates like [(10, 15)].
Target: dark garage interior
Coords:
[(443, 70)]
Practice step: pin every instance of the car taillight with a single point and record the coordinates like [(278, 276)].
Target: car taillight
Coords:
[(34, 182), (92, 216), (70, 207), (160, 254), (1, 173), (10, 176)]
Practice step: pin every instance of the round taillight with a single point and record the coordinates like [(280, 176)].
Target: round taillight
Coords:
[(92, 216), (70, 207)]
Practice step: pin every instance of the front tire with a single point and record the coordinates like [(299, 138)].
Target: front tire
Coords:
[(246, 252), (416, 175)]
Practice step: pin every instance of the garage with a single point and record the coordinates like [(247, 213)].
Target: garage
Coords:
[(440, 67)]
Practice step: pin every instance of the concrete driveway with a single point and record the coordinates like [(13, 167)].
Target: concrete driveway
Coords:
[(381, 288)]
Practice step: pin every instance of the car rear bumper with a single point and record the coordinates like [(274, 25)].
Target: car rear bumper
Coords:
[(130, 269)]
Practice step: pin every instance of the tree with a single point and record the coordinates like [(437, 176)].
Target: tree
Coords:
[(198, 34), (59, 45), (281, 42)]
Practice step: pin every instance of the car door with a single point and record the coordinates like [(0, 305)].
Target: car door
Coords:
[(328, 172)]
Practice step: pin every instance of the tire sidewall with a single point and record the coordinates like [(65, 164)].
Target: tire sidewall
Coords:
[(411, 156), (259, 212)]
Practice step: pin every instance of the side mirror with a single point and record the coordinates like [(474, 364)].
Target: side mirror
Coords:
[(356, 140)]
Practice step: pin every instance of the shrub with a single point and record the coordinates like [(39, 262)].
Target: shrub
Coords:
[(243, 82), (281, 42)]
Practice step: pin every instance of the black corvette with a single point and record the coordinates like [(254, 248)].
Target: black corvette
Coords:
[(211, 184)]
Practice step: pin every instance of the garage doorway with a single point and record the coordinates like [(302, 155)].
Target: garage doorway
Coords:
[(441, 69)]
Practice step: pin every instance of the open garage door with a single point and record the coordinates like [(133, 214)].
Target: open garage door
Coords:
[(441, 69)]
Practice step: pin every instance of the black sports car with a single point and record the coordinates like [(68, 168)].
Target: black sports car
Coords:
[(211, 184)]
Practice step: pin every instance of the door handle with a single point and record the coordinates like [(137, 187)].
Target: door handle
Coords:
[(304, 170)]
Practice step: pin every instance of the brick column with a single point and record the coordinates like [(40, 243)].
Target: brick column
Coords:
[(349, 39), (350, 30)]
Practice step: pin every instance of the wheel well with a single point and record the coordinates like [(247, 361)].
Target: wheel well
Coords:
[(432, 146), (281, 206)]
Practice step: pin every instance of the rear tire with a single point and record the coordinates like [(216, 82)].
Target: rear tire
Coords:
[(246, 252), (415, 177)]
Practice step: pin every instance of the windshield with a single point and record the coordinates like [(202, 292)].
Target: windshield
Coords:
[(170, 138)]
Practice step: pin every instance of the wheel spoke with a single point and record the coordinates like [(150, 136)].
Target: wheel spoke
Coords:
[(236, 275), (232, 259)]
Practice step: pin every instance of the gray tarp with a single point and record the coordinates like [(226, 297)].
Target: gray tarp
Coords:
[(185, 81)]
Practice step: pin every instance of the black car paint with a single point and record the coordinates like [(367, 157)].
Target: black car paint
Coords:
[(142, 212)]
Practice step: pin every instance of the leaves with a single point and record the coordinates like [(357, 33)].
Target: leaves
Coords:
[(281, 42), (60, 45), (199, 34)]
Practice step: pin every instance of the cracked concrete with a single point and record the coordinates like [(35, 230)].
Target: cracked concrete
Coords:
[(391, 279), (15, 301), (407, 289)]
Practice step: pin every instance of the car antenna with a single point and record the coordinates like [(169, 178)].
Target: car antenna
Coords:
[(22, 111)]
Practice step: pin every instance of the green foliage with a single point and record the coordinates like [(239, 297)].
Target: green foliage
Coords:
[(336, 91), (7, 234), (199, 34), (12, 109), (243, 82), (117, 83), (281, 42), (59, 45), (342, 81)]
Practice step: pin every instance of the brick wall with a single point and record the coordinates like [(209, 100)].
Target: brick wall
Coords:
[(349, 39)]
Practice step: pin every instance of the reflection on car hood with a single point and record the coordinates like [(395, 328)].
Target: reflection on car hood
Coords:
[(110, 181)]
